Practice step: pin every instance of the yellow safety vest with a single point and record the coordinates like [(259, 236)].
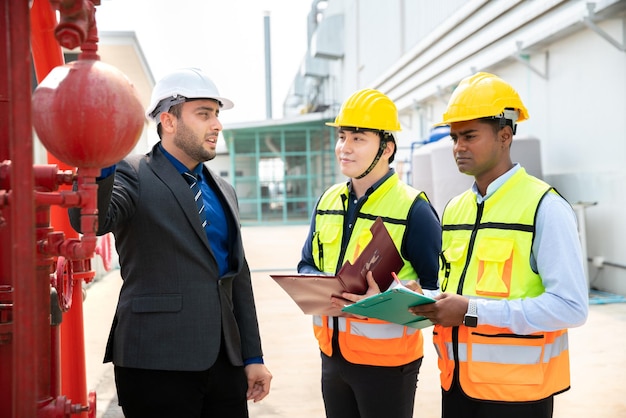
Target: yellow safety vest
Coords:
[(486, 253), (369, 341)]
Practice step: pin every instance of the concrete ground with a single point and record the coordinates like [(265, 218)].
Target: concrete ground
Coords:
[(598, 356)]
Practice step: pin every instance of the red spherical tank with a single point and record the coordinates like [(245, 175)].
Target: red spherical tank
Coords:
[(87, 114)]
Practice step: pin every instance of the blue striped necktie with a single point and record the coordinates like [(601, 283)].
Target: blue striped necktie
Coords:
[(197, 195)]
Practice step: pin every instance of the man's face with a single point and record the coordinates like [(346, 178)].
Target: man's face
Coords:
[(197, 130), (355, 151), (477, 150)]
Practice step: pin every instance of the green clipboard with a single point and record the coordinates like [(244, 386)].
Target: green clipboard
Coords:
[(392, 306)]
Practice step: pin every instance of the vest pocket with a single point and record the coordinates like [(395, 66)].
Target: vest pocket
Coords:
[(327, 238), (505, 358), (329, 233), (453, 258), (495, 259)]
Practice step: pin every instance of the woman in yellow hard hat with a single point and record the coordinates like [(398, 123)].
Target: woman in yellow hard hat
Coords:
[(370, 367)]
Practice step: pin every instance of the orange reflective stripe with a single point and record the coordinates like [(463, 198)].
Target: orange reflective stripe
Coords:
[(495, 364)]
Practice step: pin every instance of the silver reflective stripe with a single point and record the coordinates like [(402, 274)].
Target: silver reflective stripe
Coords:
[(555, 349), (506, 354), (450, 351), (438, 352), (511, 354), (317, 321), (374, 331)]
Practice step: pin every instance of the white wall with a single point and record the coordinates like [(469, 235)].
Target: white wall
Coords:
[(580, 115), (578, 111)]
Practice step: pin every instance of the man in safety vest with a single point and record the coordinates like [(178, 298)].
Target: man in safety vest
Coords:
[(511, 272), (370, 367)]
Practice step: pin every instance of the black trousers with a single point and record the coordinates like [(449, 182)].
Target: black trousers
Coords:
[(357, 391), (455, 404), (219, 392)]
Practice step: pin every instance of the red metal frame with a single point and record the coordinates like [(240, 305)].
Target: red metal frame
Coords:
[(41, 257), (68, 368)]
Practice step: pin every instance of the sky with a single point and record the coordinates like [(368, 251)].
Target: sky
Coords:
[(226, 38)]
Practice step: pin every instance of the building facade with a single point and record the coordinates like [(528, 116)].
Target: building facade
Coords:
[(566, 58)]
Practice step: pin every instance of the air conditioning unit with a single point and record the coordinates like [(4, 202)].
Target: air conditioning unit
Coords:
[(435, 172)]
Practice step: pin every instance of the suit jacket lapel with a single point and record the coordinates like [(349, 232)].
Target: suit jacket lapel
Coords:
[(168, 174)]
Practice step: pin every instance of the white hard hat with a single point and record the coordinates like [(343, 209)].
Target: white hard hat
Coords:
[(179, 85)]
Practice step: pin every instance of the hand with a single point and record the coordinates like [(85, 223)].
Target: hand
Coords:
[(414, 286), (259, 378), (372, 289), (448, 310), (347, 298)]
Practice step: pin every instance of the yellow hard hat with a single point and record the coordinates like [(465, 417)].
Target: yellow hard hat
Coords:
[(483, 95), (368, 109)]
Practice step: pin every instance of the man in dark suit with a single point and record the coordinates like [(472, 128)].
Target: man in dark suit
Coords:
[(185, 339)]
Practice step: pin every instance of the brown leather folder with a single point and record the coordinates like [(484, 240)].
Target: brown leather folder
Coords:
[(312, 292)]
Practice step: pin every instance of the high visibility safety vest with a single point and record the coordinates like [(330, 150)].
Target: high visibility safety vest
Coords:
[(486, 253), (369, 341)]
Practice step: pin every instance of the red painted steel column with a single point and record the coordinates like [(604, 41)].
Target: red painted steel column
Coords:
[(28, 315), (6, 268), (47, 54)]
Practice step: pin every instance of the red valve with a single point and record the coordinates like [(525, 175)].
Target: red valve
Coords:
[(63, 283), (92, 404)]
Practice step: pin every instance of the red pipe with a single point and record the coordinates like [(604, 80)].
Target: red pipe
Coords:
[(28, 311), (64, 198), (47, 55)]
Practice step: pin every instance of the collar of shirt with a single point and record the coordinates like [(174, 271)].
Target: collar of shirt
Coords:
[(495, 185), (197, 171), (352, 200), (371, 189)]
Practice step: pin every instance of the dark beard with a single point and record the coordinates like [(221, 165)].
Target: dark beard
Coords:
[(190, 144)]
